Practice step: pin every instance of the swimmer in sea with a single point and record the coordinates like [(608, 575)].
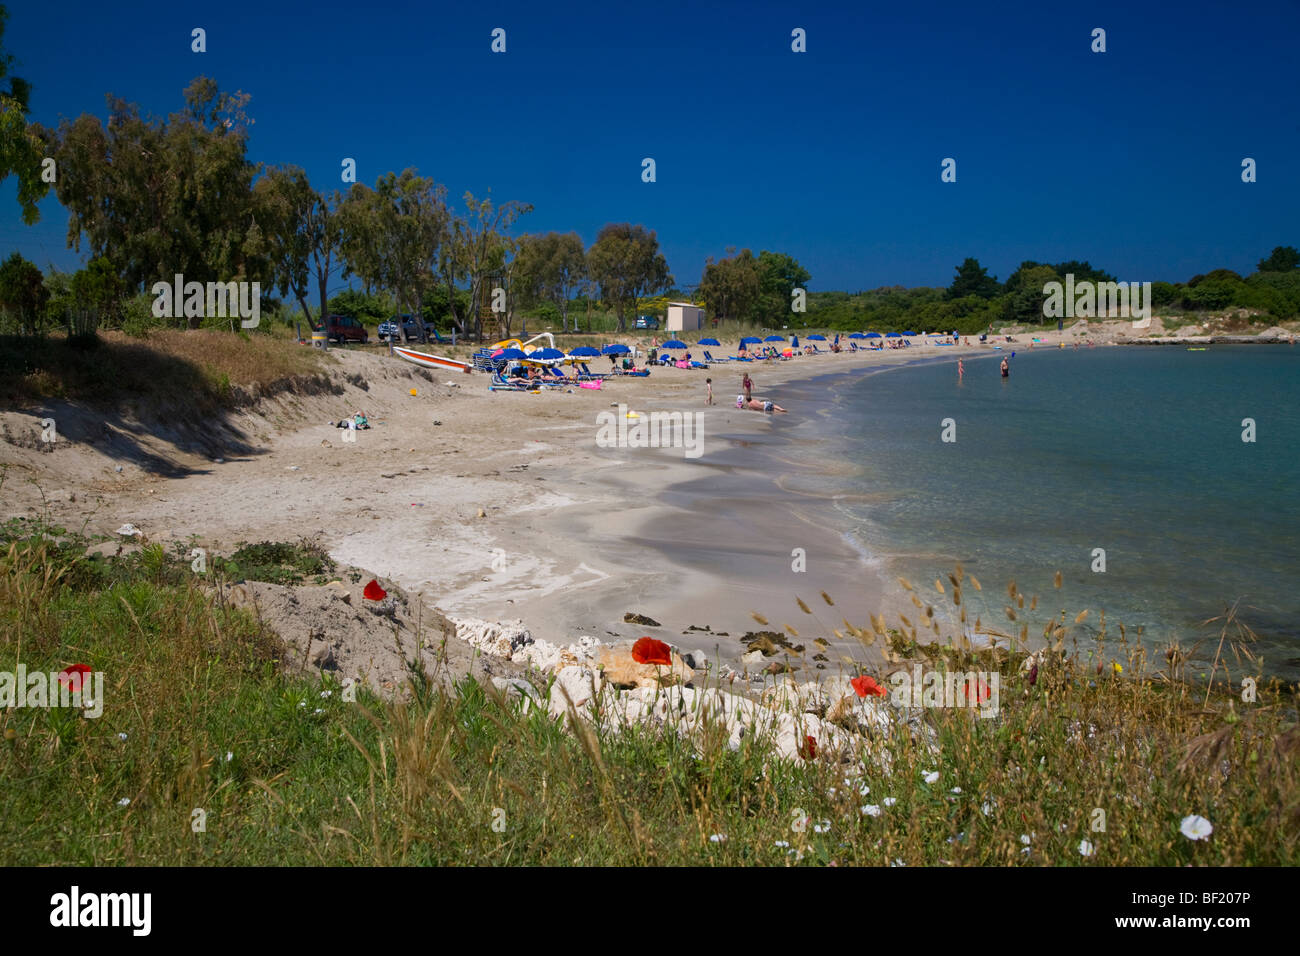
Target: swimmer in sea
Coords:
[(1006, 368)]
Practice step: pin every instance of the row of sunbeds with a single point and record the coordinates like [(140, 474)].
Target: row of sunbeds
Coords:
[(550, 376)]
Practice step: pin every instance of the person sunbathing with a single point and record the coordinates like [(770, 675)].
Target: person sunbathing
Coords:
[(755, 405)]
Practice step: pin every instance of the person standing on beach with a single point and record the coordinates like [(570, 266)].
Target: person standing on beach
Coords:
[(709, 383), (748, 386)]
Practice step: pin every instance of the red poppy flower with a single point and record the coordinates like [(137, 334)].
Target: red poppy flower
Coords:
[(982, 691), (809, 748), (649, 651), (374, 592), (867, 687), (73, 677)]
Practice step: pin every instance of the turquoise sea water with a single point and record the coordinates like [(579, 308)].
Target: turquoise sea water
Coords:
[(1137, 451)]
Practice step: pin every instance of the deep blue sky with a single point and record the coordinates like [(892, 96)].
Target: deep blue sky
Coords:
[(1130, 159)]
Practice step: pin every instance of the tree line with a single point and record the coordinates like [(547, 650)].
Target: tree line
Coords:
[(152, 198), (975, 300)]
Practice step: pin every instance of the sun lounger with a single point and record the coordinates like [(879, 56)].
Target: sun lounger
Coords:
[(502, 384), (708, 357), (588, 374)]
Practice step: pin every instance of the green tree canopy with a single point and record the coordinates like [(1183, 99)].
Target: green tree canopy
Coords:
[(550, 268), (391, 236), (778, 276), (1283, 259), (474, 248), (159, 197), (731, 288), (299, 236), (626, 263), (1025, 300), (973, 279), (23, 295), (22, 146)]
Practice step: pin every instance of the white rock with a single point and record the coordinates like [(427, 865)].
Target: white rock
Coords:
[(517, 688), (576, 686), (496, 638)]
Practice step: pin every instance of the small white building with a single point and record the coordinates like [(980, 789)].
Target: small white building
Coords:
[(684, 317)]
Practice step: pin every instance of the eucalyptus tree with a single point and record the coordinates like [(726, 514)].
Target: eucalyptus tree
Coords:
[(22, 147), (392, 235), (301, 235), (473, 248), (551, 267), (625, 262), (160, 197)]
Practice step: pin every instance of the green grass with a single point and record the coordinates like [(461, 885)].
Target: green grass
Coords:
[(277, 563), (201, 371), (289, 772)]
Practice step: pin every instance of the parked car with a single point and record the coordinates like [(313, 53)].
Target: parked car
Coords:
[(388, 330), (344, 329), (411, 329), (646, 322)]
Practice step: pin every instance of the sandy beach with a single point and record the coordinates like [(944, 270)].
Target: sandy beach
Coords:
[(502, 506)]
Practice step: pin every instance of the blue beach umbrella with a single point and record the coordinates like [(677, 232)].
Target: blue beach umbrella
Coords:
[(673, 344), (618, 348), (584, 351), (775, 338), (892, 335), (856, 335), (817, 338), (909, 333), (545, 355), (711, 342), (509, 354), (872, 335), (751, 340)]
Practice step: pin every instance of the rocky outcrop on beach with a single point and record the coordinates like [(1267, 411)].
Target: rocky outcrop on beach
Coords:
[(606, 685)]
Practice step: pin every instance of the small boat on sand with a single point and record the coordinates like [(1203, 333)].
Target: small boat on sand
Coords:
[(426, 360)]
